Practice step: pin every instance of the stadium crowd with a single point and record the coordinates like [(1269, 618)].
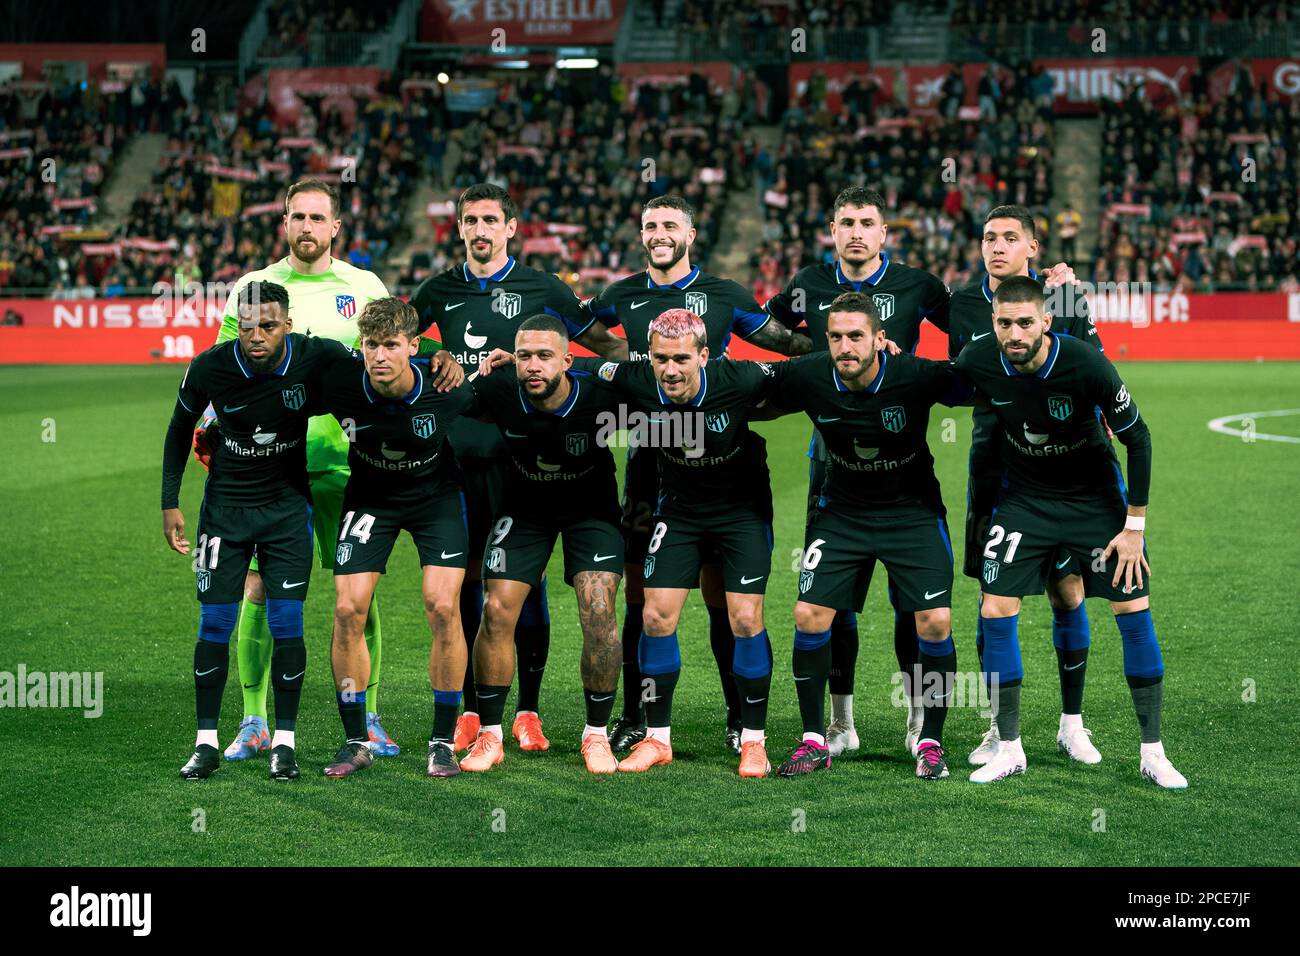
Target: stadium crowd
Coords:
[(935, 218), (1201, 193), (290, 22)]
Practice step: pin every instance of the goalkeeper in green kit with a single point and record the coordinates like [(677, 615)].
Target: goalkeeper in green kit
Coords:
[(326, 296)]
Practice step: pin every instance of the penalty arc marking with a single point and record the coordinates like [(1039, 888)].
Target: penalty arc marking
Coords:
[(1225, 425)]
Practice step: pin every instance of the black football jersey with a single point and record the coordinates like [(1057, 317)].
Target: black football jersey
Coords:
[(1052, 441), (261, 455), (876, 437), (709, 463), (398, 448), (475, 316), (634, 302), (905, 296), (561, 465)]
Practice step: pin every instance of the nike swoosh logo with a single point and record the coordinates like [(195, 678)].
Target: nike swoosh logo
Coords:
[(752, 580), (536, 670), (601, 557), (204, 673), (929, 596), (1063, 564), (358, 428), (296, 584), (1067, 667), (823, 306), (510, 434), (233, 408), (457, 554), (980, 336), (487, 696), (448, 308), (610, 697), (637, 305), (822, 420), (294, 677), (996, 402), (759, 701), (803, 678)]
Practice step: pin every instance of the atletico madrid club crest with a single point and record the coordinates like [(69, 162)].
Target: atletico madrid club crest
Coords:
[(295, 397), (509, 304), (990, 571), (649, 565), (345, 552), (805, 581), (697, 302), (203, 579), (423, 425), (717, 421), (576, 443), (346, 305), (496, 559), (894, 418), (1059, 407), (885, 303)]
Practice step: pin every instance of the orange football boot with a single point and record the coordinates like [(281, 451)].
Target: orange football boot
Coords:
[(648, 753), (467, 727), (753, 759), (599, 757), (487, 752), (527, 729)]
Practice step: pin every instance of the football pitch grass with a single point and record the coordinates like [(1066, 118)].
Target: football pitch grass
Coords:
[(89, 585)]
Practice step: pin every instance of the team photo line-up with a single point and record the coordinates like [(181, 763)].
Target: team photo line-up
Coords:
[(329, 421)]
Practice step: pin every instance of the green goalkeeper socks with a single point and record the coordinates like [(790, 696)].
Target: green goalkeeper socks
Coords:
[(373, 634), (254, 655)]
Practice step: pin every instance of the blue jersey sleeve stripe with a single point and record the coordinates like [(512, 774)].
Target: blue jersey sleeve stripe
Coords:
[(1136, 416), (747, 323)]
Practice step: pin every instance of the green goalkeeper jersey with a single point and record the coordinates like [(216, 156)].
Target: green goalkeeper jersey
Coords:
[(325, 306)]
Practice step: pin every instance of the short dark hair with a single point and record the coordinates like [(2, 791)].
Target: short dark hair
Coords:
[(672, 202), (313, 186), (1019, 289), (1020, 214), (858, 302), (386, 317), (263, 293), (858, 196), (487, 191), (541, 322)]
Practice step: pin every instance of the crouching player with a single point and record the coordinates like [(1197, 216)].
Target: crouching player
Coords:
[(403, 476), (1063, 492), (263, 384), (560, 483), (880, 502)]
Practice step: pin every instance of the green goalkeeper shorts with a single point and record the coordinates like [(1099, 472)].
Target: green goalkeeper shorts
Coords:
[(327, 474)]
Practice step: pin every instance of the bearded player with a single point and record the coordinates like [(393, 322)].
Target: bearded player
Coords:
[(1009, 244), (325, 297), (726, 308), (1064, 493), (478, 306)]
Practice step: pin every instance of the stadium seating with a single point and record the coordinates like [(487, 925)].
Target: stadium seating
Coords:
[(1178, 198)]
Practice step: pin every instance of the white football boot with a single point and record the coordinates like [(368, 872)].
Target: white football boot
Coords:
[(988, 747), (1073, 738), (841, 736), (1157, 768), (1008, 761)]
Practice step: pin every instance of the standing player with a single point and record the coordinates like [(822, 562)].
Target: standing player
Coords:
[(903, 296), (1009, 243), (881, 501), (561, 483), (256, 496), (714, 498), (402, 475), (1064, 495), (671, 282), (325, 297), (477, 307)]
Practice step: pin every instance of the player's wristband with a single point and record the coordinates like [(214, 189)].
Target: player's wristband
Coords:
[(1134, 523)]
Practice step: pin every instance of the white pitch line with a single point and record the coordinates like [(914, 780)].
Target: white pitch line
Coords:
[(1221, 426)]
